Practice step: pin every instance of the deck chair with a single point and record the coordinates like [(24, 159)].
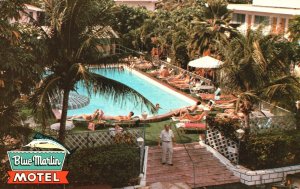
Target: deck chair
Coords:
[(194, 118), (198, 126), (195, 89), (185, 127)]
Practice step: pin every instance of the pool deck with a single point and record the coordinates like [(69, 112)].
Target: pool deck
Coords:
[(166, 85)]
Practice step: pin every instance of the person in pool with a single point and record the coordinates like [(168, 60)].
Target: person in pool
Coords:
[(157, 107), (118, 118)]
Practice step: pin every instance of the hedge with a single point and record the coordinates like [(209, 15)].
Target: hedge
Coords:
[(273, 149), (116, 165)]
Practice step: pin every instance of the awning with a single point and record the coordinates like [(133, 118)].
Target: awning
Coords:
[(205, 62)]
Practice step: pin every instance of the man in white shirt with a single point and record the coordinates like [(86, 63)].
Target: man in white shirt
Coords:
[(166, 138)]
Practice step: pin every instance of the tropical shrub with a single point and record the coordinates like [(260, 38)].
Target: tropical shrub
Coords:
[(11, 139), (261, 150), (227, 126), (271, 150), (116, 165), (124, 138)]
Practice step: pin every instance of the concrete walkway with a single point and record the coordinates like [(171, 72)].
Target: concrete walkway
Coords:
[(193, 165)]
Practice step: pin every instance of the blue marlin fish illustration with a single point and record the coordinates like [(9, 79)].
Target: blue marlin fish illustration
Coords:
[(46, 144), (49, 142)]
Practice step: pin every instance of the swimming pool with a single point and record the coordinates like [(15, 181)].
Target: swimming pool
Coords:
[(152, 90)]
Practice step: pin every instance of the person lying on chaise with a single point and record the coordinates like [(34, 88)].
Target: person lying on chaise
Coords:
[(186, 80), (208, 107), (118, 118), (190, 117), (189, 109), (177, 77), (87, 117)]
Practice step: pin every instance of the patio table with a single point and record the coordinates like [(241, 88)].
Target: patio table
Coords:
[(56, 126)]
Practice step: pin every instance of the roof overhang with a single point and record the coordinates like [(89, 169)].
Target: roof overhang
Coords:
[(270, 10)]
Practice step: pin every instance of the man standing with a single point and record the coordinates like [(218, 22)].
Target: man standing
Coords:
[(166, 138)]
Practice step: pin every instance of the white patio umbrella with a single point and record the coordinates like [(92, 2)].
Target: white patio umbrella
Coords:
[(205, 62), (56, 126)]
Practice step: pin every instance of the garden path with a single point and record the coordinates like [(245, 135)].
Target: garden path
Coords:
[(188, 161)]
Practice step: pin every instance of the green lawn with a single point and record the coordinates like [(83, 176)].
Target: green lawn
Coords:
[(153, 130)]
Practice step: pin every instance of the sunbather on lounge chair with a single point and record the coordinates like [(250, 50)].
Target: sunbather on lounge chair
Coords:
[(164, 73), (189, 109), (118, 118), (180, 76), (197, 117), (87, 117), (186, 80)]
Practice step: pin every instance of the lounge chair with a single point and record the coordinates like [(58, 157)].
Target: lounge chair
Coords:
[(94, 125), (188, 118), (195, 89), (221, 99), (198, 126), (181, 86), (177, 119)]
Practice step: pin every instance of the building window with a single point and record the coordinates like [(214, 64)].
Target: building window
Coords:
[(238, 18), (261, 20)]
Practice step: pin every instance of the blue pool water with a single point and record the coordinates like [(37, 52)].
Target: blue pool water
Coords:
[(166, 99)]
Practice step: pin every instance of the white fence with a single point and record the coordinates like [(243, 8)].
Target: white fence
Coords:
[(89, 139)]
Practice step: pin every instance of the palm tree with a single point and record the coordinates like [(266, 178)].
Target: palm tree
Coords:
[(127, 19), (210, 24), (256, 67), (71, 46)]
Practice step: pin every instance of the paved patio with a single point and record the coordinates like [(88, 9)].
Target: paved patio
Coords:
[(193, 165)]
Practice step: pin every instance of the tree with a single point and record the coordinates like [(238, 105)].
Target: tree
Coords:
[(70, 47), (127, 20), (19, 71), (19, 67), (257, 67), (294, 28), (168, 31), (209, 25)]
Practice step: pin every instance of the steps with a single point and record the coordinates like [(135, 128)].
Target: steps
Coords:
[(188, 160)]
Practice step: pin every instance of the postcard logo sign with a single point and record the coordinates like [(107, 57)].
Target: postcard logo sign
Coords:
[(37, 167)]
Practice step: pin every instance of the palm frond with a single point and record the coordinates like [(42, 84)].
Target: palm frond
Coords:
[(40, 100), (111, 89)]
